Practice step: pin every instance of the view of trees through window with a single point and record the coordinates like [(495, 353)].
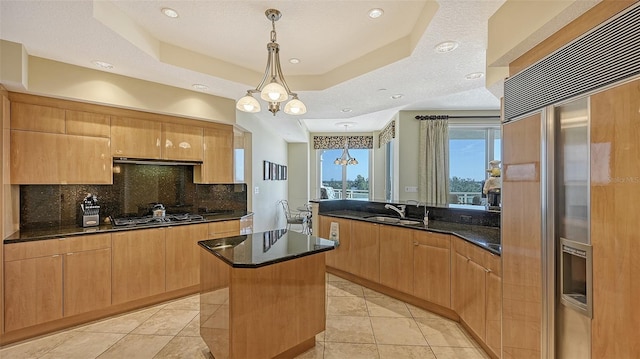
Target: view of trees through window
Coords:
[(470, 150)]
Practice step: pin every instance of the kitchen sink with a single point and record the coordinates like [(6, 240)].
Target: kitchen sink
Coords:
[(394, 220)]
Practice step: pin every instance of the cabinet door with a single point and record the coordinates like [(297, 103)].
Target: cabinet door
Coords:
[(339, 257), (181, 142), (87, 281), (432, 268), (87, 124), (33, 291), (470, 294), (396, 258), (135, 138), (494, 312), (364, 252), (138, 259), (217, 166), (47, 158), (30, 117), (183, 255)]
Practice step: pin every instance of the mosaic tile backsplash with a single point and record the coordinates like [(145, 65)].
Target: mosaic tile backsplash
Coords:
[(135, 189)]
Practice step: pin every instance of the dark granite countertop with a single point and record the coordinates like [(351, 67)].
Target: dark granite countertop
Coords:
[(487, 238), (68, 231), (264, 248)]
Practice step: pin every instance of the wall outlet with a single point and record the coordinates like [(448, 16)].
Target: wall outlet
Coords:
[(256, 190), (411, 189)]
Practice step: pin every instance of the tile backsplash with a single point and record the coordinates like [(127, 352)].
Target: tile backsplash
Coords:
[(135, 189)]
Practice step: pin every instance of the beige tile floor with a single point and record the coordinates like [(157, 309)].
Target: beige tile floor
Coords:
[(361, 323)]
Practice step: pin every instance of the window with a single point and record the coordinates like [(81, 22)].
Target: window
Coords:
[(349, 182), (470, 150)]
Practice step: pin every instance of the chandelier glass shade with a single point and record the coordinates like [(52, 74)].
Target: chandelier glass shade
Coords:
[(273, 88), (346, 158)]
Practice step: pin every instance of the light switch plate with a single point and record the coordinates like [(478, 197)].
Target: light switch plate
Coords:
[(256, 190), (411, 189)]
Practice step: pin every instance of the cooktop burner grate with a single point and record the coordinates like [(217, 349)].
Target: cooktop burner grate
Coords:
[(150, 220)]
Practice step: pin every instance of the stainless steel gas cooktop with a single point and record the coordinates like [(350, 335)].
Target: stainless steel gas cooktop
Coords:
[(151, 220)]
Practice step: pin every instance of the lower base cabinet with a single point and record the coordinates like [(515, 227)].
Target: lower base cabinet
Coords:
[(138, 264), (183, 255), (396, 258), (87, 281), (432, 267), (33, 291), (51, 279)]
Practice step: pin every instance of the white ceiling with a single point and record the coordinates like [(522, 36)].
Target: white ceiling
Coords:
[(324, 35)]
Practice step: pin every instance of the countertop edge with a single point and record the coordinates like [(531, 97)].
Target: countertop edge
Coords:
[(419, 228), (108, 228), (267, 263)]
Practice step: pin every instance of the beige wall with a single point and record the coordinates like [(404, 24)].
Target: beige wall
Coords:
[(265, 145), (298, 176)]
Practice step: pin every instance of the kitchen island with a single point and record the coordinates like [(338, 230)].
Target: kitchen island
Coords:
[(262, 295)]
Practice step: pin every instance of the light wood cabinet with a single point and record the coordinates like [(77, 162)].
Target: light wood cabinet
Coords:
[(33, 291), (339, 257), (135, 138), (87, 281), (183, 255), (138, 259), (364, 251), (477, 292), (223, 229), (31, 117), (217, 166), (87, 124), (182, 142), (396, 258), (432, 267), (494, 312), (47, 158)]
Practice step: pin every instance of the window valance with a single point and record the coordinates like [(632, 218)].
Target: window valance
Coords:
[(337, 142), (387, 134)]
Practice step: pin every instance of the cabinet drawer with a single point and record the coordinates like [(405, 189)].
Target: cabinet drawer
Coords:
[(33, 249), (494, 263), (224, 228), (85, 243), (432, 239)]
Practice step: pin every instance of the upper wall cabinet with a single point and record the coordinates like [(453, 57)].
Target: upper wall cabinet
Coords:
[(51, 158), (37, 118), (181, 142), (87, 124), (217, 164), (135, 138)]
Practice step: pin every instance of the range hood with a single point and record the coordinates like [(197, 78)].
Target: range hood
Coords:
[(147, 161)]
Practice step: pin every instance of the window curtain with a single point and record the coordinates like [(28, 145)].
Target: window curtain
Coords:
[(433, 166)]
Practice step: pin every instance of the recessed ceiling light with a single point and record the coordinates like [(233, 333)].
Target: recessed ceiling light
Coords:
[(474, 75), (446, 46), (200, 87), (169, 12), (397, 96), (375, 13), (346, 110), (345, 124), (294, 60), (102, 64), (382, 89)]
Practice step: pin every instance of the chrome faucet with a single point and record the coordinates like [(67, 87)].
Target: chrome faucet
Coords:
[(400, 209)]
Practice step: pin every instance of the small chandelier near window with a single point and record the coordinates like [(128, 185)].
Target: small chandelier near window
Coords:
[(276, 90), (346, 158)]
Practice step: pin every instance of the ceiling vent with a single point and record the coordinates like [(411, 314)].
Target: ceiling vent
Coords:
[(605, 55)]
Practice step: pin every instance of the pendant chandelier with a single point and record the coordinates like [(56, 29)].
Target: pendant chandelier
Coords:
[(346, 158), (275, 90)]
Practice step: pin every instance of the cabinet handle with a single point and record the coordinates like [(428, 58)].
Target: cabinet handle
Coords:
[(468, 258), (416, 243), (488, 270)]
